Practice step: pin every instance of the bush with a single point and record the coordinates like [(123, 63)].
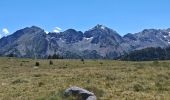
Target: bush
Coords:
[(51, 62), (37, 64), (40, 84), (138, 87), (101, 63), (82, 60)]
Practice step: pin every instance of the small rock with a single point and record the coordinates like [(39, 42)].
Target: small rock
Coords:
[(35, 67)]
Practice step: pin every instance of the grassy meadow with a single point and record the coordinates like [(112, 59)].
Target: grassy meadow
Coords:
[(20, 79)]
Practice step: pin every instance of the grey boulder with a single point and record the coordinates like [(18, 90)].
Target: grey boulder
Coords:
[(80, 92)]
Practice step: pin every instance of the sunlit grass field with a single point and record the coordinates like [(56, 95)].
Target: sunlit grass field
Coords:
[(20, 79)]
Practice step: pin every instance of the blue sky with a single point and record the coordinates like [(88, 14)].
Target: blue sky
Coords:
[(124, 16)]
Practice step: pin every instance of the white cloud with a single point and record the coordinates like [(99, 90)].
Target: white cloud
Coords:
[(57, 29), (46, 32), (0, 36), (5, 31)]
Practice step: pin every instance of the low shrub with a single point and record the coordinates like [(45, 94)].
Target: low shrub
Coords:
[(51, 62), (37, 64)]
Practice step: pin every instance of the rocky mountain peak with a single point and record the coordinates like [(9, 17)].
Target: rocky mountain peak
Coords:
[(149, 30), (30, 30), (98, 26), (35, 28), (100, 30), (72, 36)]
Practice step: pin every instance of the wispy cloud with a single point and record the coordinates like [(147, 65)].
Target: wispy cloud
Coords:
[(57, 29), (0, 36), (4, 32)]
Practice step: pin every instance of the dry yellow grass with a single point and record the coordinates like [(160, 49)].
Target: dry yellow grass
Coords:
[(20, 79)]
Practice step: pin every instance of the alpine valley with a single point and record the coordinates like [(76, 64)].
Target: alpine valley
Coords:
[(99, 42)]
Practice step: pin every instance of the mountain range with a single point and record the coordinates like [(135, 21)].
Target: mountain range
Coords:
[(99, 42)]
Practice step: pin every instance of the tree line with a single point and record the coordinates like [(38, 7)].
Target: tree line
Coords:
[(148, 54)]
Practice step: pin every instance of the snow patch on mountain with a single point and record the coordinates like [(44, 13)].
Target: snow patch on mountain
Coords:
[(169, 33), (103, 27), (165, 36), (88, 39)]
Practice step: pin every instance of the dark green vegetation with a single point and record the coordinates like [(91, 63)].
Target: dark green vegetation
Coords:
[(20, 79), (148, 54)]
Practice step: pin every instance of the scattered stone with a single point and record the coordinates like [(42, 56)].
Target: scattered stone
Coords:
[(81, 93), (35, 67)]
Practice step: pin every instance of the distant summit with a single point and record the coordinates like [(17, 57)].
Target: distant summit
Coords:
[(98, 26)]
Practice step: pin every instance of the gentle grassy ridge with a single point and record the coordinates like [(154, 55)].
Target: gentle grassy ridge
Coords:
[(20, 79)]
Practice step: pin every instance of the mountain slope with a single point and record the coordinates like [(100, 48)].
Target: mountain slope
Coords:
[(27, 42), (148, 38), (98, 42)]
